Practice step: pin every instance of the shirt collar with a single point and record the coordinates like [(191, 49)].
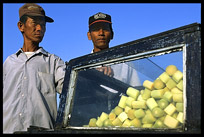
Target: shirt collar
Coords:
[(40, 50), (18, 52)]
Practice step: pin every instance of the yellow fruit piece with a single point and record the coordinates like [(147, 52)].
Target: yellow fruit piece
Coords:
[(158, 84), (178, 97), (146, 94), (107, 123), (151, 103), (171, 69), (170, 109), (168, 96), (171, 84), (148, 84), (118, 110), (126, 123), (141, 92), (158, 124), (139, 104), (166, 89), (180, 85), (157, 112), (117, 122), (163, 103), (176, 90), (92, 122), (135, 122), (103, 116), (180, 117), (148, 119), (140, 98), (179, 107), (162, 118), (171, 122), (139, 113), (127, 109), (132, 92), (164, 77), (122, 102), (174, 115), (123, 116), (177, 76), (99, 123), (130, 114), (157, 94), (129, 101), (147, 125), (112, 116), (147, 111)]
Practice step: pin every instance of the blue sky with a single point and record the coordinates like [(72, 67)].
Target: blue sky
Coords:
[(67, 36)]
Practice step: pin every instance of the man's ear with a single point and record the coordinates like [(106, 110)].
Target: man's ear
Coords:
[(89, 35), (20, 26)]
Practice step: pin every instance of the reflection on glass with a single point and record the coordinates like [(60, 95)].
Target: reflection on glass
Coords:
[(142, 93)]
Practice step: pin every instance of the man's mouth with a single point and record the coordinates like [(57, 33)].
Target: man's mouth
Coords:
[(101, 39), (38, 35)]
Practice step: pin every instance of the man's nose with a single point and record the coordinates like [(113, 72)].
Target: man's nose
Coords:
[(101, 31), (39, 27)]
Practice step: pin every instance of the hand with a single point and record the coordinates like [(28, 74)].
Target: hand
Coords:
[(106, 70)]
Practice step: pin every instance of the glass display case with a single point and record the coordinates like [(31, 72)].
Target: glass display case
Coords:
[(154, 87), (143, 93), (96, 94)]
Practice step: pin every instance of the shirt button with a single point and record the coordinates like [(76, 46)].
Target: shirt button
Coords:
[(20, 114), (25, 77), (22, 95)]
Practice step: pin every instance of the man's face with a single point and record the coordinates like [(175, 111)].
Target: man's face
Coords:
[(34, 29), (100, 34)]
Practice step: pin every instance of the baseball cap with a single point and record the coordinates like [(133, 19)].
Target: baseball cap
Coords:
[(99, 17), (32, 9), (100, 20)]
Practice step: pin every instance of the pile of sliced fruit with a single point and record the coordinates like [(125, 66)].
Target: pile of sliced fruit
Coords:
[(159, 105)]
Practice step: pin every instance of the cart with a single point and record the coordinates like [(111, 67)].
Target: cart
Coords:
[(87, 93)]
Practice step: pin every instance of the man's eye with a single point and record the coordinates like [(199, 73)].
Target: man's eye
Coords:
[(95, 29), (106, 29), (33, 23)]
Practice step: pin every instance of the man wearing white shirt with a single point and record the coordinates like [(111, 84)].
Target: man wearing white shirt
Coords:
[(31, 76)]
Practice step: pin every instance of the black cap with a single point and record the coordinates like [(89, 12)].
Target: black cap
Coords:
[(99, 17)]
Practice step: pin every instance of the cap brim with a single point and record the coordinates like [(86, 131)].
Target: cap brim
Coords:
[(98, 25), (48, 19)]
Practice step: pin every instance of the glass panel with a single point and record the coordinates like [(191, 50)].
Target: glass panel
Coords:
[(101, 100)]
